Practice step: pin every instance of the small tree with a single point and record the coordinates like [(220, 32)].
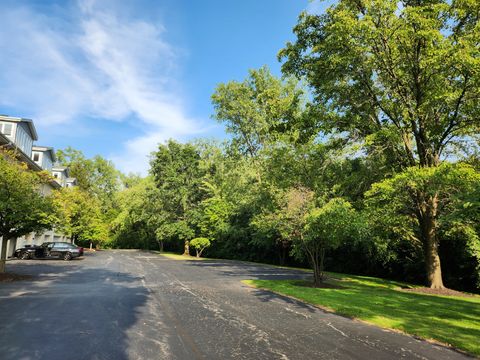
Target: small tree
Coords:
[(22, 208), (200, 244), (326, 228)]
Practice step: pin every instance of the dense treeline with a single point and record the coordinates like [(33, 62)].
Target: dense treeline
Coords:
[(86, 212), (363, 159)]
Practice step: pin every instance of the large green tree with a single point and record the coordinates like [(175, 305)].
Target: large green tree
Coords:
[(81, 217), (393, 211), (23, 209), (96, 175), (399, 76), (259, 110), (178, 175), (141, 219)]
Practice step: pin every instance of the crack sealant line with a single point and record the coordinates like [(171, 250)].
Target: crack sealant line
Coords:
[(329, 324)]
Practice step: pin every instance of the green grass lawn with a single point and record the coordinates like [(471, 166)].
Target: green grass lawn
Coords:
[(450, 320), (174, 256)]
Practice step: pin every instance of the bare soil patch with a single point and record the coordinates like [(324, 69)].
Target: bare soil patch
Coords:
[(7, 277)]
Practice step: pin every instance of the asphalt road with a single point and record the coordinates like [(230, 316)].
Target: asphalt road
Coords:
[(137, 305)]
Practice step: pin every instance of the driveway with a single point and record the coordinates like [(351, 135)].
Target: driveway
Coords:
[(138, 305)]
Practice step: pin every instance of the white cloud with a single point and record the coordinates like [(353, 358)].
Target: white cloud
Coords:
[(317, 7), (94, 64)]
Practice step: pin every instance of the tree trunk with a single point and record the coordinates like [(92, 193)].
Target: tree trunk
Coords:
[(283, 252), (317, 274), (3, 255), (428, 230), (321, 265), (160, 245), (198, 254), (187, 248)]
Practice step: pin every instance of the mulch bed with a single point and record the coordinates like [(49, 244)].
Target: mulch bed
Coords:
[(444, 292), (7, 277)]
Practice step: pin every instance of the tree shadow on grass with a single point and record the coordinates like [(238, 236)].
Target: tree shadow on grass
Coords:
[(68, 312)]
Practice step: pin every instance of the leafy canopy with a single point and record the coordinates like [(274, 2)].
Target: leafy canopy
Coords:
[(23, 209), (402, 76)]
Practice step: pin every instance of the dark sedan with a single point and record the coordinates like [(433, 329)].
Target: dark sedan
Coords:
[(54, 250)]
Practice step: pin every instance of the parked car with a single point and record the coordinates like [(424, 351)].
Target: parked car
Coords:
[(54, 250)]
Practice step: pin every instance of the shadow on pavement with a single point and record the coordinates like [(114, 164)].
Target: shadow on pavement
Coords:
[(246, 270), (68, 311), (265, 296)]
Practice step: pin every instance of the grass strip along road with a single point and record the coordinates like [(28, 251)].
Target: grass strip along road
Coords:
[(450, 320), (173, 256)]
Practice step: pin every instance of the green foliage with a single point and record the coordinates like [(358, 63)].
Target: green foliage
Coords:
[(81, 217), (97, 176), (140, 218), (98, 184), (354, 176), (393, 212), (200, 244), (451, 320), (326, 228), (23, 209), (391, 205), (178, 176), (404, 79), (259, 109), (330, 225)]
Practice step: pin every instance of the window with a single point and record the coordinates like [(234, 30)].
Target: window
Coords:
[(36, 156), (7, 129)]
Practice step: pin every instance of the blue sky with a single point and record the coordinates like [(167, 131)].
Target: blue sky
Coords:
[(115, 77)]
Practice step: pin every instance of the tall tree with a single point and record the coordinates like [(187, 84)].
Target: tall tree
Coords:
[(391, 206), (178, 176), (97, 176), (81, 217), (23, 209), (401, 76), (141, 217), (258, 109)]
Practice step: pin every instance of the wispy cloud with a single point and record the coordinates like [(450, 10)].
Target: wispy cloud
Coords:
[(317, 7), (98, 64)]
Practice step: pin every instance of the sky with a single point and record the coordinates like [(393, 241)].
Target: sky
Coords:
[(118, 77)]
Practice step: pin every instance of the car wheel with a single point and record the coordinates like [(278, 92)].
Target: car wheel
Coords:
[(67, 256), (25, 256)]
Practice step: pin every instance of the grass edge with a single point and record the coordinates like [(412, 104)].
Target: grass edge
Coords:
[(329, 310)]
